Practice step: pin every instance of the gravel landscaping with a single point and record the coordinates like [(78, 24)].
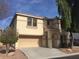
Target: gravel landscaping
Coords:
[(69, 51), (13, 55)]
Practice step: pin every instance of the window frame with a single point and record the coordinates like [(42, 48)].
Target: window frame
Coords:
[(32, 22), (28, 21)]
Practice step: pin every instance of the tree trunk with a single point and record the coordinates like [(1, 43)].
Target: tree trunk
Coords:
[(14, 46), (71, 40), (7, 49), (66, 39)]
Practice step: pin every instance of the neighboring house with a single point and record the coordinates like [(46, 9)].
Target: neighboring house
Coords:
[(75, 38), (29, 29), (52, 30)]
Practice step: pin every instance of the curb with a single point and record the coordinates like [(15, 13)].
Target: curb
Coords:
[(66, 55)]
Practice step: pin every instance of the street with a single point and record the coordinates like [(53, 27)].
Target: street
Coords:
[(69, 57)]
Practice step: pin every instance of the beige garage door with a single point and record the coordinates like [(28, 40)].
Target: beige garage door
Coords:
[(27, 42)]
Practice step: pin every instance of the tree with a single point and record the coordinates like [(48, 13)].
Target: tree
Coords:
[(75, 15), (65, 14), (8, 37)]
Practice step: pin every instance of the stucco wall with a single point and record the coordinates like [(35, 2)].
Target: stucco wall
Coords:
[(22, 27)]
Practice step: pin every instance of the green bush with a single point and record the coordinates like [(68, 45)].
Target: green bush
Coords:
[(8, 37)]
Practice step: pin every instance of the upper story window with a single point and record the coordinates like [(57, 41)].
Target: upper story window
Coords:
[(31, 21), (34, 22)]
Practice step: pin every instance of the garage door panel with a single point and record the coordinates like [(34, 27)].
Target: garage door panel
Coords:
[(27, 42)]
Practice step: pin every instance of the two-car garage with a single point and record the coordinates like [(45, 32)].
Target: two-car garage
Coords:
[(27, 41)]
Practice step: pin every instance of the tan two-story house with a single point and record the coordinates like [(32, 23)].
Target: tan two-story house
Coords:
[(29, 29)]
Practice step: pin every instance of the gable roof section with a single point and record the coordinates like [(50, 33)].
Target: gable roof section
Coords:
[(27, 15)]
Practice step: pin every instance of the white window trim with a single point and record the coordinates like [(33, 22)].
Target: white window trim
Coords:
[(31, 24)]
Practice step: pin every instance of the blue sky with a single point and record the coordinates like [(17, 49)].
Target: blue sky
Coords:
[(46, 8)]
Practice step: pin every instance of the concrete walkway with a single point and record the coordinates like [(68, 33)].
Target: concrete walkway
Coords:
[(41, 53), (44, 53)]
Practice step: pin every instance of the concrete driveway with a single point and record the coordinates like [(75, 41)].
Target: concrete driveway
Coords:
[(42, 53)]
